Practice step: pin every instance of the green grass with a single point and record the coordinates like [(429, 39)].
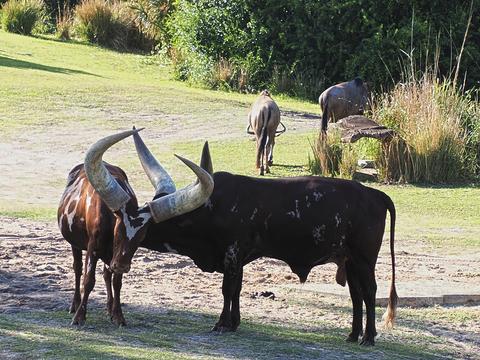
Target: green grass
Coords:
[(180, 334)]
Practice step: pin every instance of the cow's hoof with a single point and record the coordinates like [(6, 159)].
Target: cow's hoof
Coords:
[(219, 328), (367, 341), (119, 321), (352, 338), (270, 162)]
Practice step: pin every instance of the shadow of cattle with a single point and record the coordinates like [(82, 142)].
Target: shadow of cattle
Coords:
[(172, 333)]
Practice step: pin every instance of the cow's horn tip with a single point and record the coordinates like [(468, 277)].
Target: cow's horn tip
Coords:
[(137, 130)]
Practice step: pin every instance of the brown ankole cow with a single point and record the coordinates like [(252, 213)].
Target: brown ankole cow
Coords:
[(264, 118), (304, 221), (99, 210), (342, 100)]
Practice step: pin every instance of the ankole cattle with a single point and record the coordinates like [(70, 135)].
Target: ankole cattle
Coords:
[(99, 210), (342, 100), (264, 118), (304, 221)]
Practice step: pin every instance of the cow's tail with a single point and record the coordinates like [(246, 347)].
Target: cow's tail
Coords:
[(389, 316), (325, 117), (263, 137)]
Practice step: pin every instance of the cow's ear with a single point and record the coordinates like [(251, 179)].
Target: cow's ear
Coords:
[(206, 161)]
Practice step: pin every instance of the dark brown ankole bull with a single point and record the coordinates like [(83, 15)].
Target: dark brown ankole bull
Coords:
[(99, 209), (304, 221)]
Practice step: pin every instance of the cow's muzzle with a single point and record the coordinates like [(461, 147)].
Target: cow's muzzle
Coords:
[(119, 268)]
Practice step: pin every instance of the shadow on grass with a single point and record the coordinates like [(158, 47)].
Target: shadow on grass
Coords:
[(21, 64), (299, 116), (171, 333), (286, 166)]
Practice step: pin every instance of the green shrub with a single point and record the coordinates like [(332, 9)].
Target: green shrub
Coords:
[(437, 132), (22, 16), (333, 158), (94, 21), (111, 24), (64, 24)]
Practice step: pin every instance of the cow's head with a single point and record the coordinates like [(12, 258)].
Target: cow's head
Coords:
[(132, 221)]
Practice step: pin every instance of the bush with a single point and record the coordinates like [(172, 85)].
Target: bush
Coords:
[(22, 16), (109, 24), (94, 21), (64, 24), (333, 158), (437, 132)]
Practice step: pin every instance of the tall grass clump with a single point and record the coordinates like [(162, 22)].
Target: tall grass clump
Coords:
[(22, 16), (110, 24), (64, 24), (437, 132), (333, 158)]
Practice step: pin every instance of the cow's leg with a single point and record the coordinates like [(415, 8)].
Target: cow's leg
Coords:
[(117, 315), (260, 157), (231, 287), (270, 151), (77, 268), (369, 291), (236, 300), (88, 284), (257, 161), (107, 277), (357, 301)]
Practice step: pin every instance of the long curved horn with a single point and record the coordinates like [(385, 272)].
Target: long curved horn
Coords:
[(185, 200), (103, 182), (160, 179)]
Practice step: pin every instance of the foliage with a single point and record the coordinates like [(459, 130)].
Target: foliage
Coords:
[(438, 132), (64, 24), (302, 46), (151, 17), (111, 24), (21, 16), (333, 158)]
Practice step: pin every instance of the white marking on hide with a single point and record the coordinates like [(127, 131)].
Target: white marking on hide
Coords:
[(317, 195), (209, 204), (73, 192), (254, 213), (296, 213), (82, 219), (307, 202), (60, 221), (342, 239), (131, 230), (231, 255), (170, 249), (318, 233), (234, 208), (88, 202), (338, 219)]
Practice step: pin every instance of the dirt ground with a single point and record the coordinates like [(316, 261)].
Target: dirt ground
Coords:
[(36, 273)]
